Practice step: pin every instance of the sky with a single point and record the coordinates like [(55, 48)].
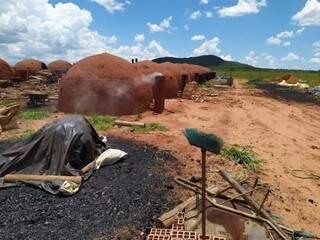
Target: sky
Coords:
[(263, 33)]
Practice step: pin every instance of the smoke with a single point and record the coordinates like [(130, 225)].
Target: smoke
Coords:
[(89, 93), (149, 79)]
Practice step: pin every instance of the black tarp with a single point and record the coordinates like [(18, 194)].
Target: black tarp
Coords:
[(62, 147)]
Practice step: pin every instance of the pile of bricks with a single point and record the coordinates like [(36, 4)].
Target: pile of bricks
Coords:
[(178, 232)]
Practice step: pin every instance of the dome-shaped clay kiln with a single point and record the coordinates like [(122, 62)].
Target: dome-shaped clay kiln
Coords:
[(104, 84)]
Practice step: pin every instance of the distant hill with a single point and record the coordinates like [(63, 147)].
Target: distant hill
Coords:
[(205, 60), (218, 64)]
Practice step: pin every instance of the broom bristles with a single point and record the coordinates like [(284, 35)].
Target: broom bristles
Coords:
[(208, 141)]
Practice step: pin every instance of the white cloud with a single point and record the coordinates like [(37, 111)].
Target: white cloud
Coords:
[(299, 31), (252, 58), (309, 15), (271, 60), (151, 51), (315, 60), (243, 7), (274, 40), (208, 47), (112, 5), (287, 44), (290, 57), (198, 38), (208, 14), (111, 40), (195, 15), (186, 27), (277, 40), (139, 37), (316, 57), (204, 2), (316, 45), (227, 57), (285, 34), (164, 25), (47, 31)]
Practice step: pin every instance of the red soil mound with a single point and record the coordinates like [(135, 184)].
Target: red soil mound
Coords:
[(171, 87), (290, 78), (5, 70), (104, 84), (192, 69), (59, 66), (29, 66)]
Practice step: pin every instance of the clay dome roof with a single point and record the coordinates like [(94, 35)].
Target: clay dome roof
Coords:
[(170, 73), (30, 65), (104, 84), (5, 70), (59, 65)]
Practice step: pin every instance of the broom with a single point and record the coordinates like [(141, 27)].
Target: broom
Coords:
[(206, 142)]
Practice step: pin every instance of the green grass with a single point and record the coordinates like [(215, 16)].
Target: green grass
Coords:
[(151, 127), (6, 102), (254, 75), (25, 134), (242, 155), (34, 115), (101, 123)]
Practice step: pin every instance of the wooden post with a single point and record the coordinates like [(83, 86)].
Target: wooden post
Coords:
[(158, 94), (203, 193)]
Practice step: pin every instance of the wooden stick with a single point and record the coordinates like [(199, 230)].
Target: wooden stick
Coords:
[(129, 124), (241, 213), (252, 202), (88, 167), (10, 178), (167, 219)]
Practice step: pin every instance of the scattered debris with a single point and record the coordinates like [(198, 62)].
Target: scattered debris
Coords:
[(9, 118), (314, 91), (43, 77)]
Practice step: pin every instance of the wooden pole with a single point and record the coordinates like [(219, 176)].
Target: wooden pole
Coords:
[(11, 178), (251, 201), (203, 193), (129, 124)]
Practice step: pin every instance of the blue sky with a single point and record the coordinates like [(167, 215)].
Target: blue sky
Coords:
[(267, 33)]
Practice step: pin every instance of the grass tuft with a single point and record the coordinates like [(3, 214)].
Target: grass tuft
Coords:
[(34, 115), (151, 127), (242, 155), (101, 123)]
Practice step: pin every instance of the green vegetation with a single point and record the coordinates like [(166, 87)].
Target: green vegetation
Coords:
[(34, 115), (25, 134), (6, 102), (102, 123), (242, 155), (151, 127), (254, 75)]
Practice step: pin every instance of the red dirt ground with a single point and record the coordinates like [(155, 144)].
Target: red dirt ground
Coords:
[(285, 135)]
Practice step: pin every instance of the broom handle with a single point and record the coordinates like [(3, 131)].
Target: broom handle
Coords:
[(203, 192)]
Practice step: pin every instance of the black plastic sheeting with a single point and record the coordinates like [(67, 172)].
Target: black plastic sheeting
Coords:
[(62, 147)]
